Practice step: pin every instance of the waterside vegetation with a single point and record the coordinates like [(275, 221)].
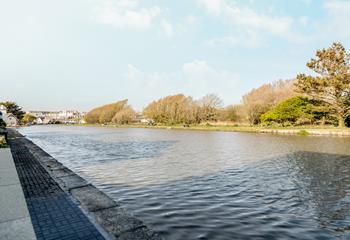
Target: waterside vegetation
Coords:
[(307, 104), (320, 101)]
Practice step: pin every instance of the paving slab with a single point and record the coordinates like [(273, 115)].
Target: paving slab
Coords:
[(53, 164), (117, 221), (20, 229), (8, 177), (6, 160), (12, 202), (61, 172), (91, 199), (71, 182)]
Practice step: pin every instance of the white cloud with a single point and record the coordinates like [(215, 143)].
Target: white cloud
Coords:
[(245, 39), (245, 17), (167, 28), (126, 14), (214, 7), (248, 27)]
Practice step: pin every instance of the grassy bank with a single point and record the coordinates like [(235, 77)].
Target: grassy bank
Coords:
[(292, 130), (226, 128)]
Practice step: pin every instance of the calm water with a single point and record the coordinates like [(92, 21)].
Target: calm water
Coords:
[(213, 185)]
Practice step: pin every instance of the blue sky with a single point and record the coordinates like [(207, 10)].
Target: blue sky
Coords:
[(78, 54)]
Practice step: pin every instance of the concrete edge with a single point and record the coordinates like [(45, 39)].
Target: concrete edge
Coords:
[(105, 213), (311, 132)]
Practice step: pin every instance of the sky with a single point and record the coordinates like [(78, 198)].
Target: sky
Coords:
[(79, 54)]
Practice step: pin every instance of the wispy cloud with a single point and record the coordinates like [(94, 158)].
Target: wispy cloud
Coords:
[(167, 28), (249, 28), (245, 39), (245, 17), (126, 14)]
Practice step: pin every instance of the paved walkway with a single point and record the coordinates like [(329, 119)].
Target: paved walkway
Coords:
[(15, 222), (53, 213)]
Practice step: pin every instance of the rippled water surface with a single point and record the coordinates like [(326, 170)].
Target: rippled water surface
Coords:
[(214, 185)]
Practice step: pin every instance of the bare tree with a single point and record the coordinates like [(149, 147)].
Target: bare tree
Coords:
[(209, 105), (172, 109), (124, 116), (260, 100)]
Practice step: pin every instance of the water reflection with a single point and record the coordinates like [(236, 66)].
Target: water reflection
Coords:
[(200, 185)]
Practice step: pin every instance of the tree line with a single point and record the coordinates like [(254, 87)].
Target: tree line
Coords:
[(322, 98)]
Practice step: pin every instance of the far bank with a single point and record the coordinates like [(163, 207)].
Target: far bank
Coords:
[(296, 130)]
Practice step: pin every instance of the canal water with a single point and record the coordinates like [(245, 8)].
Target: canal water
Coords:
[(214, 185)]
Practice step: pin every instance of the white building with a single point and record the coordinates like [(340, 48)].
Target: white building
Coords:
[(12, 121), (68, 114), (39, 121)]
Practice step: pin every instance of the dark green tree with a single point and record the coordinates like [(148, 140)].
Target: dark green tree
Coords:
[(331, 85)]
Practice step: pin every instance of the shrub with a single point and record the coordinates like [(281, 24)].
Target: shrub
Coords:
[(303, 132), (290, 111)]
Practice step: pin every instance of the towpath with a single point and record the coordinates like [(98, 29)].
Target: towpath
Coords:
[(53, 213)]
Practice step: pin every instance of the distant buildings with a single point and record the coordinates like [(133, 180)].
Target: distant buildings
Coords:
[(45, 117), (66, 116), (140, 118), (43, 114)]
